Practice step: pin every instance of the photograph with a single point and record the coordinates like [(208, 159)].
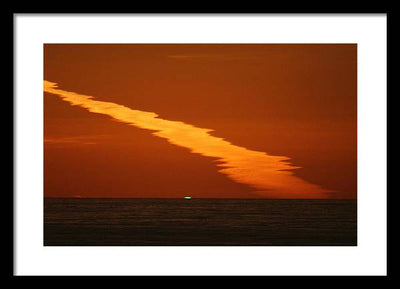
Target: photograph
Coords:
[(200, 144)]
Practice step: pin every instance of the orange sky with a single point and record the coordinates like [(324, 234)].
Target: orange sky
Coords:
[(268, 107)]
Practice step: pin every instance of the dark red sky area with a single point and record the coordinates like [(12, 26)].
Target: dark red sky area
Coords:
[(298, 101)]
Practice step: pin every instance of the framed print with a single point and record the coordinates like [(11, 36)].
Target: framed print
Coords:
[(200, 139)]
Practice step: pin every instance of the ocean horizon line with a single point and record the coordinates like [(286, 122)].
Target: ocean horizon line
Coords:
[(205, 198)]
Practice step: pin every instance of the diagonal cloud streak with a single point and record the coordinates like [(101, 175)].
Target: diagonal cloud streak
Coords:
[(271, 176)]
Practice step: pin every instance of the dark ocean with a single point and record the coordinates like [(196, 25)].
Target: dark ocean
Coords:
[(199, 222)]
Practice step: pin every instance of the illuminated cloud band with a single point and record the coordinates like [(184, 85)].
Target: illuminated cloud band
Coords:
[(270, 175)]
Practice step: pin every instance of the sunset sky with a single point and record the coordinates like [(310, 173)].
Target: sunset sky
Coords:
[(270, 121)]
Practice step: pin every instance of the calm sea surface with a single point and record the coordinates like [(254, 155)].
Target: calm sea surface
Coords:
[(199, 222)]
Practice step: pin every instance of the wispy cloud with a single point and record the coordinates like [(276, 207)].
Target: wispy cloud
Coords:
[(184, 57), (270, 175), (73, 140), (210, 56)]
